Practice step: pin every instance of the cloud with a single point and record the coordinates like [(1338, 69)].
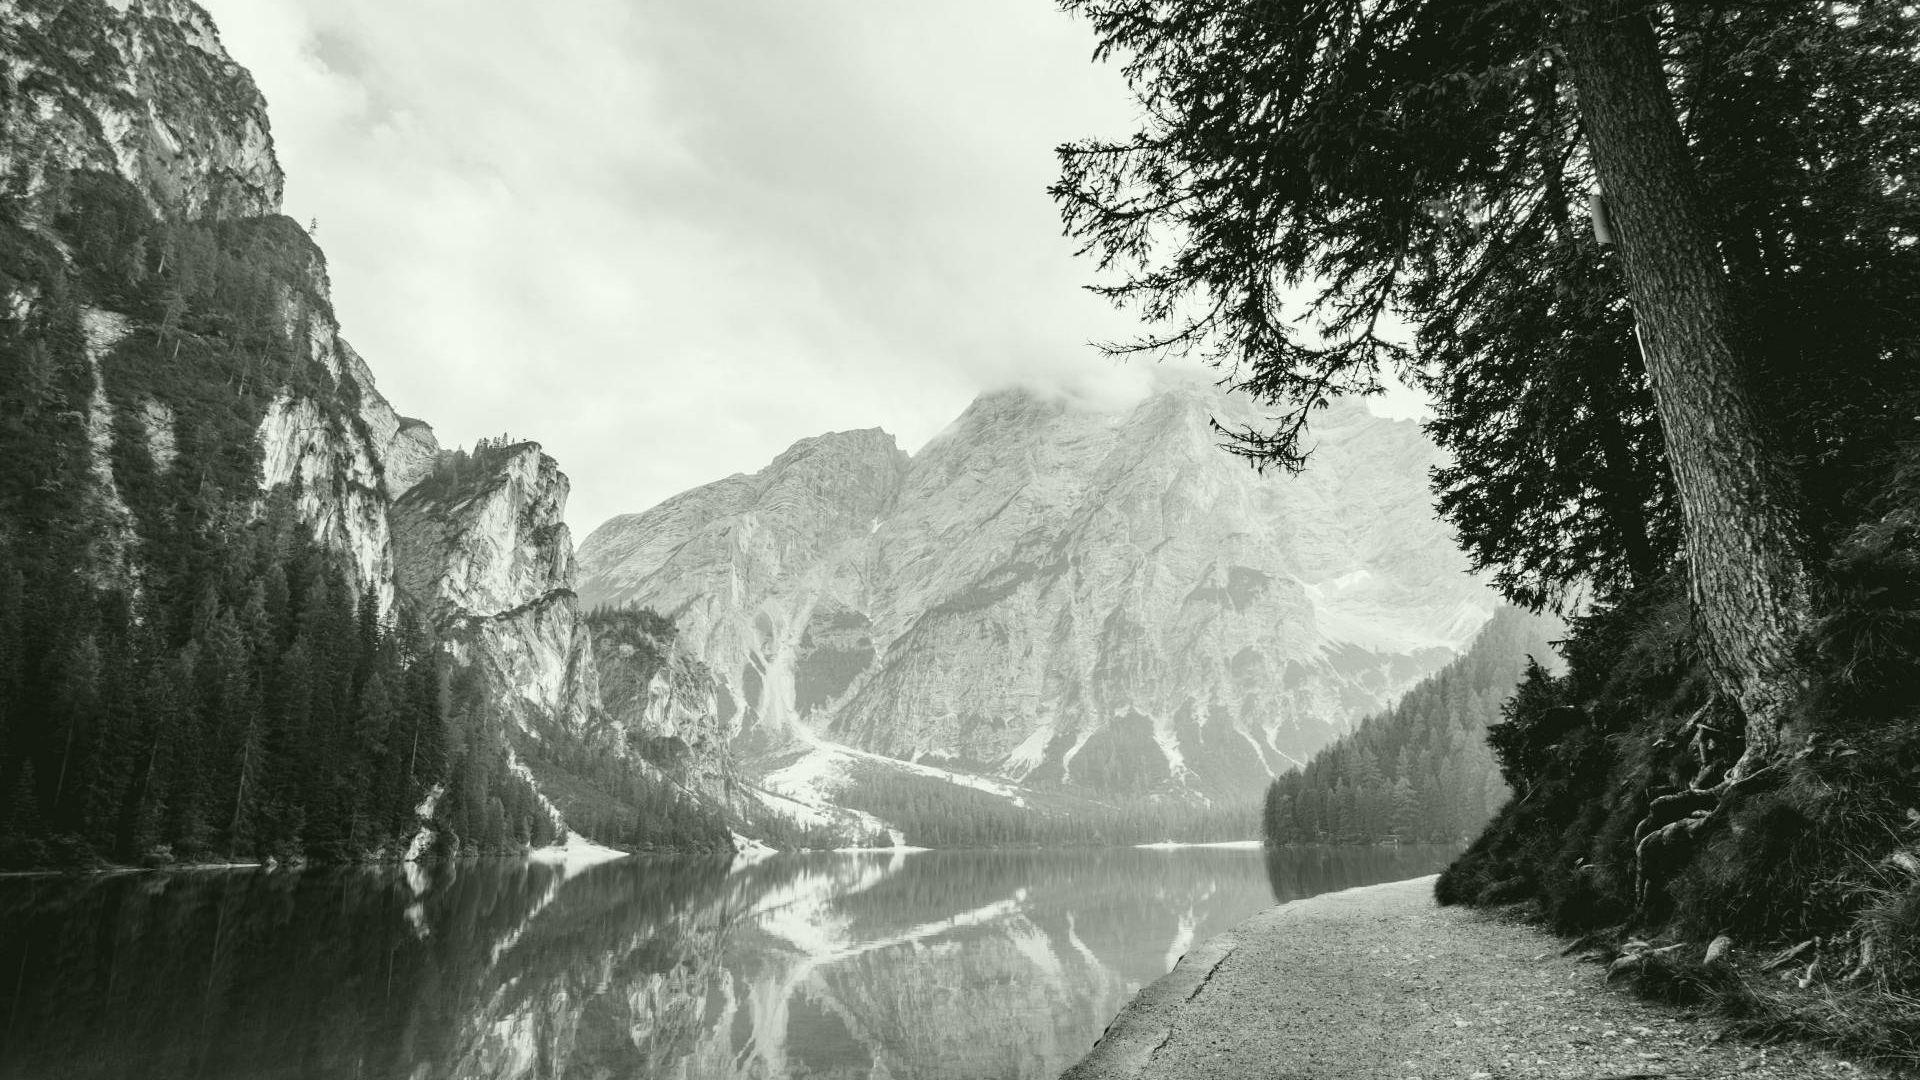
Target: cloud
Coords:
[(668, 239)]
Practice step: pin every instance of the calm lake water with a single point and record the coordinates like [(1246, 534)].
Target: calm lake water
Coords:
[(902, 965)]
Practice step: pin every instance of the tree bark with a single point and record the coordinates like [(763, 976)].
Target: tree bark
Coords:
[(1738, 501)]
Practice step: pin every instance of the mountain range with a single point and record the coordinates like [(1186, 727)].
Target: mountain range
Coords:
[(1056, 596), (1052, 604)]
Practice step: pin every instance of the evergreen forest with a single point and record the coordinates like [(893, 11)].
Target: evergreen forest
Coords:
[(189, 675), (935, 813), (1422, 771)]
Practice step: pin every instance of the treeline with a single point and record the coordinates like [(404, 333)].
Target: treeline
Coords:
[(625, 800), (460, 474), (268, 712), (184, 672), (1420, 772), (640, 639), (938, 814)]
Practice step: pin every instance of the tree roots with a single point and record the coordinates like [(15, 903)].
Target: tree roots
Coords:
[(1662, 837)]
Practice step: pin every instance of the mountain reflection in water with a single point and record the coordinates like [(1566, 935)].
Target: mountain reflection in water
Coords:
[(905, 965)]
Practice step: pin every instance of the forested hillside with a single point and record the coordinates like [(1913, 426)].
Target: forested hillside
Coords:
[(1421, 771), (657, 701), (933, 813), (206, 648), (184, 672)]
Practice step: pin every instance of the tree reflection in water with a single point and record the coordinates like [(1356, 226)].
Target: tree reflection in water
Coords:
[(931, 964)]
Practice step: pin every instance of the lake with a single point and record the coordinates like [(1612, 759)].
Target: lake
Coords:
[(908, 965)]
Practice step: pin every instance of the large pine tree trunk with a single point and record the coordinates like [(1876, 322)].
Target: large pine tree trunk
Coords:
[(1738, 501)]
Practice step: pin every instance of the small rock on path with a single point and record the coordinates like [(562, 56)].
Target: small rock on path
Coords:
[(1382, 982)]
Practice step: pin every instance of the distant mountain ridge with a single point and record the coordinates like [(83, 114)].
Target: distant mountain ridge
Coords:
[(1058, 596)]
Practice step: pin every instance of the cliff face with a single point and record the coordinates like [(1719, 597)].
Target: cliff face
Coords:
[(484, 549), (138, 88), (667, 704), (483, 553), (143, 90), (745, 567), (176, 315), (1060, 596)]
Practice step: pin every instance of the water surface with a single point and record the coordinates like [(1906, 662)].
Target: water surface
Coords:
[(902, 965)]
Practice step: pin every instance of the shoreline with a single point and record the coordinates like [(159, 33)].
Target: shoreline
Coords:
[(747, 853), (1380, 981), (587, 853)]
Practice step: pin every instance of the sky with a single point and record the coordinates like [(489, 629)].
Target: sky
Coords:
[(668, 238)]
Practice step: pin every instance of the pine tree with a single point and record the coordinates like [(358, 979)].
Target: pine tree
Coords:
[(494, 837), (1431, 159), (1406, 810), (22, 836), (77, 713)]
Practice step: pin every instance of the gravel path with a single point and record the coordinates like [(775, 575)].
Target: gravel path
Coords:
[(1381, 982)]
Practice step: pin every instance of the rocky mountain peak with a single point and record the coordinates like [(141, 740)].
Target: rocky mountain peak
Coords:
[(835, 449), (485, 533), (820, 492), (828, 485), (142, 89), (1062, 593)]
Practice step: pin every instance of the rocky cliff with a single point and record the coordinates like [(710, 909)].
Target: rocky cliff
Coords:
[(185, 389), (666, 702), (483, 548), (1064, 597), (141, 89), (144, 91)]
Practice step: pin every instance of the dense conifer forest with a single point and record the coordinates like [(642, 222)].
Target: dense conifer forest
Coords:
[(1422, 771), (196, 678), (935, 813)]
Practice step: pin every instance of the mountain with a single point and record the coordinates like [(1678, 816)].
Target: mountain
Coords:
[(249, 608), (246, 607), (1051, 596)]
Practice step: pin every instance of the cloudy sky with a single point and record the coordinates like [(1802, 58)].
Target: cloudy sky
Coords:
[(666, 238)]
